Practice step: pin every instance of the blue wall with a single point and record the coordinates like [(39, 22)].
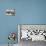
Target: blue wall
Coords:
[(27, 12)]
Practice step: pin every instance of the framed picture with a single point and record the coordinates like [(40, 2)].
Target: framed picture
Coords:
[(33, 32), (10, 12)]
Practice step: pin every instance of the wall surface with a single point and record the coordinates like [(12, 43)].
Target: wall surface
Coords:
[(27, 12)]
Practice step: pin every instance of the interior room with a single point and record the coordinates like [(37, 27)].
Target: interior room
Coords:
[(18, 13)]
